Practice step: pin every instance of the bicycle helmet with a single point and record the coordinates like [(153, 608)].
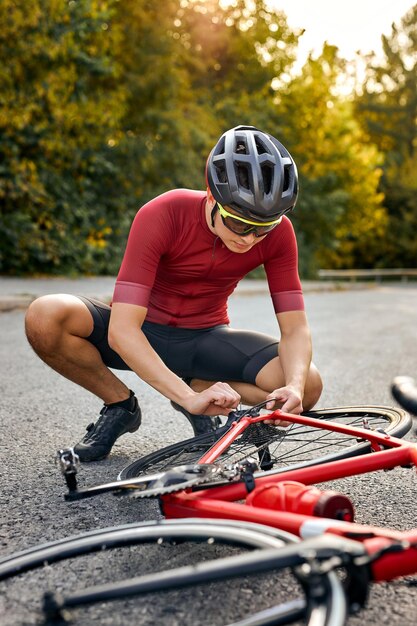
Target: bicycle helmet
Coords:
[(253, 173)]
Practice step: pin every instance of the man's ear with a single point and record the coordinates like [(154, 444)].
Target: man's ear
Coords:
[(210, 197)]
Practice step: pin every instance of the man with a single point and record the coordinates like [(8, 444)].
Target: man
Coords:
[(168, 322)]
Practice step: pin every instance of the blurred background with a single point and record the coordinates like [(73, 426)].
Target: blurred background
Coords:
[(105, 104)]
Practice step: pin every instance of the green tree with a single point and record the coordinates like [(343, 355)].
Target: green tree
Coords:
[(339, 218), (60, 187), (236, 51), (387, 109), (164, 131)]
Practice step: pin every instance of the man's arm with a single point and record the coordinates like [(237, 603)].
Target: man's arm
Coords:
[(128, 340), (295, 356)]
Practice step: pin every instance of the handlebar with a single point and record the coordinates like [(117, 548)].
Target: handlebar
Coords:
[(404, 390)]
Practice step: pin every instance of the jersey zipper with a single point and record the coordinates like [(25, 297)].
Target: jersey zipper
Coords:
[(213, 257)]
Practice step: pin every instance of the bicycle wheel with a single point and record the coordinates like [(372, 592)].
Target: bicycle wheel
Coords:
[(281, 449), (404, 390), (273, 554)]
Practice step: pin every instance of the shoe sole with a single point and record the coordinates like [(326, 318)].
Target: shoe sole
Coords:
[(135, 428)]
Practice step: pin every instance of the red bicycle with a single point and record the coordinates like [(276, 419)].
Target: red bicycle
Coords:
[(255, 482)]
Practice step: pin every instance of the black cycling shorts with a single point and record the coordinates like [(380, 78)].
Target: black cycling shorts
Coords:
[(215, 353)]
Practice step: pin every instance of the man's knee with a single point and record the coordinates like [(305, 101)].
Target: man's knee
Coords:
[(47, 319), (43, 321), (313, 389)]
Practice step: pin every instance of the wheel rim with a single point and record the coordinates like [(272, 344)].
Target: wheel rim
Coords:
[(278, 450)]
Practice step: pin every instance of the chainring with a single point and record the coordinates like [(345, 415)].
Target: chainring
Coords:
[(176, 479), (153, 485)]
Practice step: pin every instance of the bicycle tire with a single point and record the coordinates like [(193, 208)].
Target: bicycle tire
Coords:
[(125, 535), (282, 448), (404, 391), (330, 606)]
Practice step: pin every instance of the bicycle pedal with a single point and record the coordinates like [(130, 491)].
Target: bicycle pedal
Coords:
[(68, 462)]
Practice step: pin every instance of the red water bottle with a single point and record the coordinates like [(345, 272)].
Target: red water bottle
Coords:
[(304, 499)]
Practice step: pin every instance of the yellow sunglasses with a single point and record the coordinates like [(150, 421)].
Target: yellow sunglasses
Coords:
[(243, 227)]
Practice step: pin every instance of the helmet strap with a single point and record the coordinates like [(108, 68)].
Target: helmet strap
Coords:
[(213, 214)]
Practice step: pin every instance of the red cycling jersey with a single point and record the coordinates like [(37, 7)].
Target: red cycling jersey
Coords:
[(183, 273)]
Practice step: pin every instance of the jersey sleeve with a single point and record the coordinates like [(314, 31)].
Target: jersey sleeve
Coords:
[(150, 236), (281, 267)]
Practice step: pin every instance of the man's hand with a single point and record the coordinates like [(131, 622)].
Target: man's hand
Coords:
[(219, 399), (288, 399)]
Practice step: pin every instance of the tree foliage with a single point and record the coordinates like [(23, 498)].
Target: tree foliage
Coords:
[(387, 110), (339, 216), (105, 104), (60, 189)]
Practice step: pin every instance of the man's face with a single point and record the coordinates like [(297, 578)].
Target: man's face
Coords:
[(232, 241), (235, 242)]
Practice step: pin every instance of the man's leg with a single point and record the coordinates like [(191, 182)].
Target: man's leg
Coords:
[(248, 361), (269, 378), (57, 327)]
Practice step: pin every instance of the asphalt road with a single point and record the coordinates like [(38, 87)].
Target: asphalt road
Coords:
[(362, 339)]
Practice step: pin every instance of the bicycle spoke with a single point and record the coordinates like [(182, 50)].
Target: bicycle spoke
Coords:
[(273, 447)]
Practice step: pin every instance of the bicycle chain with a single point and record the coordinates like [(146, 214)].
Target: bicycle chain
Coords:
[(182, 477)]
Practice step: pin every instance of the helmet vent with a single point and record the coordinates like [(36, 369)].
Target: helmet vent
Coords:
[(243, 176), (260, 146), (221, 173), (286, 183), (241, 148), (267, 174), (242, 170)]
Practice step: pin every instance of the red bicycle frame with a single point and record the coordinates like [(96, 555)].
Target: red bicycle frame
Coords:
[(222, 502)]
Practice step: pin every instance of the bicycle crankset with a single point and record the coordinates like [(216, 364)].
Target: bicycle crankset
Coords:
[(151, 486), (176, 479)]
